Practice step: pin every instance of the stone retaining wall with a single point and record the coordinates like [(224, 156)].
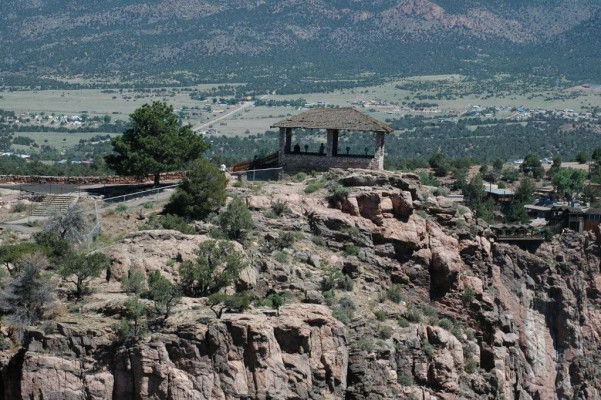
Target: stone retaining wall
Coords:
[(86, 180), (293, 163)]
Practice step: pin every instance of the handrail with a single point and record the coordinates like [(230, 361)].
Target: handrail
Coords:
[(97, 226), (246, 165), (138, 193), (252, 173), (254, 170)]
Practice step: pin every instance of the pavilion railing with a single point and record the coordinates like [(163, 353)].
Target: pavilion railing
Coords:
[(266, 174)]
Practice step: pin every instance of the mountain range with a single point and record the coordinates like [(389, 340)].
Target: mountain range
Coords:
[(237, 38)]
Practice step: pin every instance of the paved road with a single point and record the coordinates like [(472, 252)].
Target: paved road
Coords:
[(244, 105)]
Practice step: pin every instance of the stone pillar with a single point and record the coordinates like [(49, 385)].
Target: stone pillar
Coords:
[(285, 141), (330, 144), (288, 140), (379, 156), (335, 142)]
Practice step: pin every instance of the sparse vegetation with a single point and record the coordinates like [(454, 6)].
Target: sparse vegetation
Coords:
[(365, 345), (468, 295), (164, 294), (279, 208), (380, 315), (236, 220), (18, 207), (133, 325), (281, 257), (428, 349), (446, 324), (299, 177), (405, 380), (134, 282), (71, 226), (238, 302), (344, 310), (333, 278), (338, 193), (29, 294), (403, 323), (79, 269), (395, 294), (471, 365), (351, 250), (384, 331), (318, 241), (217, 265), (314, 185), (413, 314), (169, 221)]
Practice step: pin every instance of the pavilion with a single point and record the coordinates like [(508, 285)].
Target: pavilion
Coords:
[(333, 121)]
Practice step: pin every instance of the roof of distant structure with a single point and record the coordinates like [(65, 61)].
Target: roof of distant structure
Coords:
[(334, 118), (501, 192)]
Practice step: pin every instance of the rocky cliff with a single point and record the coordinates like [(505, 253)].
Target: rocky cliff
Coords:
[(392, 292)]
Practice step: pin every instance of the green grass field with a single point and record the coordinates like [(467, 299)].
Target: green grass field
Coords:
[(259, 119), (95, 101), (58, 140)]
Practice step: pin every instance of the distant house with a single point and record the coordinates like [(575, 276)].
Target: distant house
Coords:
[(81, 161), (500, 195), (558, 216)]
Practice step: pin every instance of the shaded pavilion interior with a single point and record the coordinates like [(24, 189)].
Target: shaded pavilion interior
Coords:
[(334, 121)]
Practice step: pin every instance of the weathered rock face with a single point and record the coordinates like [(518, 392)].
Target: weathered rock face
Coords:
[(472, 319), (301, 354), (147, 251), (163, 250), (550, 340)]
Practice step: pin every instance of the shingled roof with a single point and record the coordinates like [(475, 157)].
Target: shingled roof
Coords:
[(334, 118)]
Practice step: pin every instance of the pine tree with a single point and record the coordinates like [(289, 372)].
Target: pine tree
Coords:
[(154, 143)]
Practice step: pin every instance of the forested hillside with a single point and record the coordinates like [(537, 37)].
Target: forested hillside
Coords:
[(195, 40)]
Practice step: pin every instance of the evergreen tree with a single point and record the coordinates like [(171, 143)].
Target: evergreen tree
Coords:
[(532, 166), (596, 165), (217, 265), (582, 157), (569, 182), (163, 293), (29, 294), (477, 200), (524, 194), (555, 166), (237, 302), (79, 269), (154, 143), (202, 191), (133, 324), (236, 220)]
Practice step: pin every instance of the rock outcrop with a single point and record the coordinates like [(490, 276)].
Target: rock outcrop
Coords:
[(432, 309), (300, 354)]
